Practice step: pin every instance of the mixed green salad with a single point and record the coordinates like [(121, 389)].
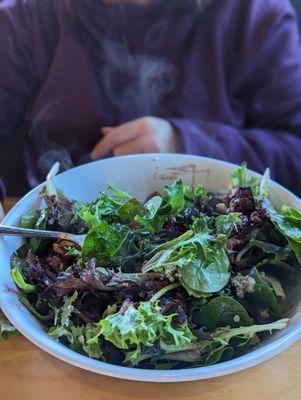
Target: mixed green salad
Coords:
[(187, 278)]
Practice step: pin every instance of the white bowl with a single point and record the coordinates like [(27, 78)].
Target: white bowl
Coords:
[(140, 175)]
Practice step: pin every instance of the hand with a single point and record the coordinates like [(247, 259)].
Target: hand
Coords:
[(143, 135)]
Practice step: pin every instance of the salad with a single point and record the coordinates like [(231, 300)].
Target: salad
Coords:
[(187, 278)]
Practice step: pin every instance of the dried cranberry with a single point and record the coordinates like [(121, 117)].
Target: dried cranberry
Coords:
[(256, 218), (244, 227), (240, 199), (200, 204), (170, 226), (190, 213)]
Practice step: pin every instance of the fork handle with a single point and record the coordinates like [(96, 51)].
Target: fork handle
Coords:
[(16, 231)]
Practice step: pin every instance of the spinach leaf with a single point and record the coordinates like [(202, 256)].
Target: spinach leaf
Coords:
[(222, 311), (129, 210), (278, 262), (208, 275), (35, 220), (276, 286), (103, 241), (202, 265), (265, 247), (262, 303)]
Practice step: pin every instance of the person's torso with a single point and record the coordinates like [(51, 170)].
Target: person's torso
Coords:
[(112, 64)]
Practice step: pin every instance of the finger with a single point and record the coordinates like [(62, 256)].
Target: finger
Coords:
[(140, 145), (114, 138), (106, 129), (130, 147)]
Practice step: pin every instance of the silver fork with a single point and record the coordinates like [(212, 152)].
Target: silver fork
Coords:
[(15, 231)]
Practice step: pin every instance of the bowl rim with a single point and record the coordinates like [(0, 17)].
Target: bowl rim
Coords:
[(65, 354)]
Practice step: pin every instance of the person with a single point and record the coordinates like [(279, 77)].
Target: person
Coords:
[(85, 79)]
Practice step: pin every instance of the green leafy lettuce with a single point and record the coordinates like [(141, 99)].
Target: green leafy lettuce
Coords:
[(6, 328), (225, 224), (224, 343), (104, 241), (107, 205), (77, 336), (222, 311), (260, 187), (288, 225), (133, 327), (20, 281), (35, 220), (173, 198), (201, 263)]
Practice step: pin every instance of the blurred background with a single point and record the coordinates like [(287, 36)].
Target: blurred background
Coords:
[(12, 167)]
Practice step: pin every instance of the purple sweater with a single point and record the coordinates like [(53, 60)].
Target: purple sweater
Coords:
[(228, 77)]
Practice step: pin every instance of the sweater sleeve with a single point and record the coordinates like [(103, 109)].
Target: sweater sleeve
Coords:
[(17, 75), (260, 148), (271, 96)]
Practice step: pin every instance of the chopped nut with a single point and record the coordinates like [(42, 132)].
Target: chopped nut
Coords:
[(256, 218), (61, 248), (221, 208)]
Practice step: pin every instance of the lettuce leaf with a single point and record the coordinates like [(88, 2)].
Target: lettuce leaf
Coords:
[(105, 206), (173, 198), (152, 206), (223, 345), (288, 225), (226, 223), (6, 328), (20, 281), (240, 178), (193, 193), (77, 336), (260, 187), (35, 220), (103, 241), (201, 263), (132, 327)]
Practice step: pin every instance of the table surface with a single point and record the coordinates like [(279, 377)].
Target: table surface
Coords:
[(28, 373)]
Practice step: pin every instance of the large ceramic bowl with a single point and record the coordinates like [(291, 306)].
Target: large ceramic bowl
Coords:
[(139, 175)]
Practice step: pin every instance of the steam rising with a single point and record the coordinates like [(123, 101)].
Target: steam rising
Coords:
[(49, 152), (136, 84)]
